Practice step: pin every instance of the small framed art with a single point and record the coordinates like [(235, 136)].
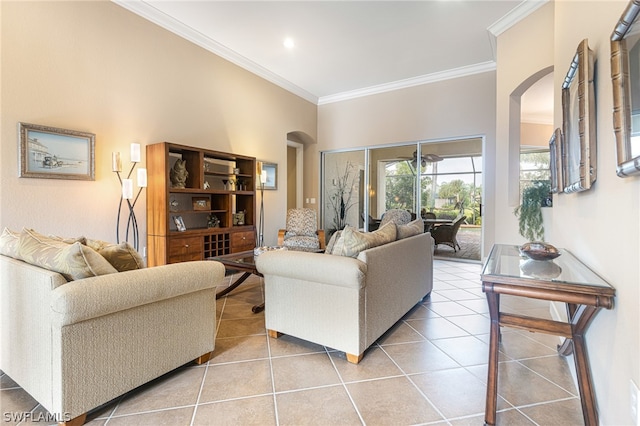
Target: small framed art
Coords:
[(53, 153), (270, 180)]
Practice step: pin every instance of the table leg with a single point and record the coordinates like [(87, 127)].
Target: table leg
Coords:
[(493, 299), (579, 323), (233, 286)]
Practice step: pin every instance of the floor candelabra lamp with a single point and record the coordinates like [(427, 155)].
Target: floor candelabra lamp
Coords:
[(127, 193), (262, 174)]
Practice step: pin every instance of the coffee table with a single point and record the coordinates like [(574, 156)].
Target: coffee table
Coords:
[(244, 262)]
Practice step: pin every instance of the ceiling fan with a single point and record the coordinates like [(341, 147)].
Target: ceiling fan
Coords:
[(424, 159)]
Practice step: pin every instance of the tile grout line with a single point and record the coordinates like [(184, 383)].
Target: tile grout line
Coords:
[(344, 386)]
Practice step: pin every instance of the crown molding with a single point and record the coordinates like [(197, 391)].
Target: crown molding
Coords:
[(410, 82), (516, 15), (150, 13)]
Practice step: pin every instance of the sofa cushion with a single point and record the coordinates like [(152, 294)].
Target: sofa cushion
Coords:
[(121, 256), (74, 261), (9, 242), (412, 228), (352, 241)]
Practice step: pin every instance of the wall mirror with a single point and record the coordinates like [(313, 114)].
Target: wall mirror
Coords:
[(625, 76), (555, 163), (579, 122)]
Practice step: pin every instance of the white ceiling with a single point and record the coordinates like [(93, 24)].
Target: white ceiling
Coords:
[(344, 49)]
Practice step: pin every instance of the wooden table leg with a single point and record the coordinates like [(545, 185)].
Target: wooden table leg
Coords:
[(493, 299), (579, 323), (233, 286)]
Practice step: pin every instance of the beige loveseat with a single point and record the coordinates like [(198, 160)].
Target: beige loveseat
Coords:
[(342, 302), (74, 346)]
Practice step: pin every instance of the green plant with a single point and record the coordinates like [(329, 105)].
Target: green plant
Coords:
[(529, 212)]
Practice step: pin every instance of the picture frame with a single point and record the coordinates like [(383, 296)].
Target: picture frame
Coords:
[(625, 79), (555, 161), (272, 175), (179, 223), (53, 153), (579, 122)]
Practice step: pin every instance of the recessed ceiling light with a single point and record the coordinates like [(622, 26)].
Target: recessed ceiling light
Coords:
[(288, 43)]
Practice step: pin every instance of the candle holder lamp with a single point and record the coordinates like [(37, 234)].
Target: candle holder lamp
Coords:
[(126, 184)]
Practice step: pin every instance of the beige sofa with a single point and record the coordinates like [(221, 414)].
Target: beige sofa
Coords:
[(74, 346), (345, 303)]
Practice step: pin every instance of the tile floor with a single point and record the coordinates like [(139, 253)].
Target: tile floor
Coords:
[(430, 368)]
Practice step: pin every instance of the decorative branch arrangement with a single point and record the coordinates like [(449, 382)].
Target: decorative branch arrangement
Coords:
[(342, 197), (127, 193)]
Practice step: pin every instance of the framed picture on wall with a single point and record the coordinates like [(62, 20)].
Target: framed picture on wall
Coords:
[(555, 161), (53, 153), (579, 122), (271, 178)]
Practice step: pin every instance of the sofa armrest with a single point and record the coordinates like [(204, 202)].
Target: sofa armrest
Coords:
[(97, 296), (315, 267)]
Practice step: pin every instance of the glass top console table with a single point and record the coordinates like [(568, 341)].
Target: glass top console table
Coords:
[(564, 279)]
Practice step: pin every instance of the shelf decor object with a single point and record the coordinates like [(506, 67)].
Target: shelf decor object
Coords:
[(211, 195), (127, 193)]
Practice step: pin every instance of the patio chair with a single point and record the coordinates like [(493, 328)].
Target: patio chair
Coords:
[(428, 215), (446, 234)]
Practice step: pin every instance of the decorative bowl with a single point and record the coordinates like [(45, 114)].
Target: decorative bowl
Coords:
[(538, 250)]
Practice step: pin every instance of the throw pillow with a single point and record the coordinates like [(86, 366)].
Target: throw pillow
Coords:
[(354, 241), (121, 256), (9, 241), (332, 242), (74, 261), (415, 227)]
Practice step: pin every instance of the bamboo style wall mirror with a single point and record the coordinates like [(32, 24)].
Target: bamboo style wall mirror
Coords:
[(579, 122), (625, 76)]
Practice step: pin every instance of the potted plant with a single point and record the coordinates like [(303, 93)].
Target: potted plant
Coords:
[(530, 222)]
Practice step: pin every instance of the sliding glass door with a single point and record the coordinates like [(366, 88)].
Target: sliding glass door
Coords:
[(444, 178)]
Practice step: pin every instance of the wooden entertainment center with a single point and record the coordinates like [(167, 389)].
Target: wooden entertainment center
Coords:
[(219, 188)]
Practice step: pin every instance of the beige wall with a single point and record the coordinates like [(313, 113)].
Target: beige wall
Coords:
[(455, 108), (582, 222), (535, 135), (96, 67)]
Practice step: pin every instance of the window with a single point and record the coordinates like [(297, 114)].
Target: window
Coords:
[(534, 166)]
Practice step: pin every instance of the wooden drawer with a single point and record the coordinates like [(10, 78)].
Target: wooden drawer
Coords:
[(242, 241), (185, 249)]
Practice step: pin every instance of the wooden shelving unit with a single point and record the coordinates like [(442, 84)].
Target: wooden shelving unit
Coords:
[(218, 184)]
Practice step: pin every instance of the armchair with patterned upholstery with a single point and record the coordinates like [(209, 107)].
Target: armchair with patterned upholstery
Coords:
[(397, 216), (446, 234), (302, 231)]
